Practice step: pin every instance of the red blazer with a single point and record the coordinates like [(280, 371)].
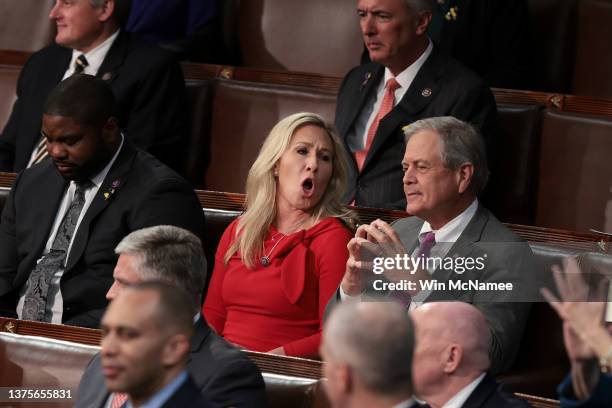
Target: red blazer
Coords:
[(281, 304)]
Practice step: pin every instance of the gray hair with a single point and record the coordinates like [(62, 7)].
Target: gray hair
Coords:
[(461, 143), (170, 255), (377, 341)]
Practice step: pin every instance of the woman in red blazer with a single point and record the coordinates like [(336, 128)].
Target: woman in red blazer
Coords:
[(278, 264)]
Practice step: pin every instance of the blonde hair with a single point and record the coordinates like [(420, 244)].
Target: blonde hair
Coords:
[(260, 212)]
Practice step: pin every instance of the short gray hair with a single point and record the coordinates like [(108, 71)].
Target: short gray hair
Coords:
[(461, 143), (170, 255), (377, 341)]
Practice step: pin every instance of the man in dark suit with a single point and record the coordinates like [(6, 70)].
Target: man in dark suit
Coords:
[(451, 359), (451, 238), (145, 348), (146, 81), (489, 37), (64, 216), (174, 256), (409, 79)]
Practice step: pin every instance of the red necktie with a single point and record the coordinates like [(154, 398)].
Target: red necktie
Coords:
[(385, 107), (119, 398)]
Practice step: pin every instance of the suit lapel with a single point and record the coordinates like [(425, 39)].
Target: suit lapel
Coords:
[(60, 65), (51, 191), (202, 331), (113, 182), (370, 81), (478, 398), (422, 91), (109, 71)]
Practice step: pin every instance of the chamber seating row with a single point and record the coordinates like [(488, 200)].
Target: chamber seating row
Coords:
[(541, 362), (569, 50), (35, 358), (555, 146)]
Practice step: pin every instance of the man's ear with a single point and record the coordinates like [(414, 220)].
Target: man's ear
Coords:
[(176, 348), (453, 356), (423, 22), (110, 130), (345, 378), (464, 175), (106, 11)]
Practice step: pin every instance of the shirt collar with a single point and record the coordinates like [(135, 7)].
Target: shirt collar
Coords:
[(406, 77), (99, 178), (96, 56), (163, 395), (451, 231), (459, 398)]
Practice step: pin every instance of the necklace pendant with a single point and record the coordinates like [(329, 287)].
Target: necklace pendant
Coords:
[(265, 261)]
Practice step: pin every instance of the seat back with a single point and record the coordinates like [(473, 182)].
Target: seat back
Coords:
[(575, 174), (243, 114), (38, 362), (26, 25), (319, 36), (553, 26), (516, 181), (593, 57), (8, 83)]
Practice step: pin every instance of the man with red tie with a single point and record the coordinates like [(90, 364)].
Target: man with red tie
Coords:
[(408, 79)]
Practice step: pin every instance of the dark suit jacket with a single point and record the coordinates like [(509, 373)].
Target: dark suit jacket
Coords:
[(187, 395), (601, 395), (507, 259), (442, 87), (489, 394), (492, 39), (147, 82), (223, 374), (148, 193)]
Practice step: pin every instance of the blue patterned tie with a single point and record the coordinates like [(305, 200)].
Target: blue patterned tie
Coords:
[(35, 298)]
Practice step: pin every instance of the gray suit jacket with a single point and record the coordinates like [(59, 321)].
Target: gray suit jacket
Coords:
[(507, 258)]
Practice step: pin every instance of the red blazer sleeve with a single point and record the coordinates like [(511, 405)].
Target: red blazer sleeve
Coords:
[(331, 255), (214, 309)]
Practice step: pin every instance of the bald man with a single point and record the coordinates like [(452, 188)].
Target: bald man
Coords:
[(451, 358), (367, 348)]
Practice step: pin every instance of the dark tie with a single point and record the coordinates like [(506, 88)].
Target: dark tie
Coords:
[(38, 283), (426, 241), (80, 64), (41, 148)]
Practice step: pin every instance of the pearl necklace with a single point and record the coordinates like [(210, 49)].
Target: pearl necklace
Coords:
[(266, 259)]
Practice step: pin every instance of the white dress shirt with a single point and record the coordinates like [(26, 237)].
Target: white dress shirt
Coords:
[(459, 398), (445, 239), (94, 57), (356, 139), (55, 303)]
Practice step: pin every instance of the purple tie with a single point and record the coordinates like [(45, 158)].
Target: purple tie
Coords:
[(426, 241)]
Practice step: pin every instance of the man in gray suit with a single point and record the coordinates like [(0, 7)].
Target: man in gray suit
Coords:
[(453, 248), (224, 375)]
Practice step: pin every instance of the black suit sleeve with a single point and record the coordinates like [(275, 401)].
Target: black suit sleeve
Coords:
[(8, 138), (157, 117), (8, 256), (237, 384)]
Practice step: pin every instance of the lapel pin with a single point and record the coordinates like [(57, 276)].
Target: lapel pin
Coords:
[(106, 76), (106, 195), (426, 92), (365, 80), (452, 14), (115, 183)]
